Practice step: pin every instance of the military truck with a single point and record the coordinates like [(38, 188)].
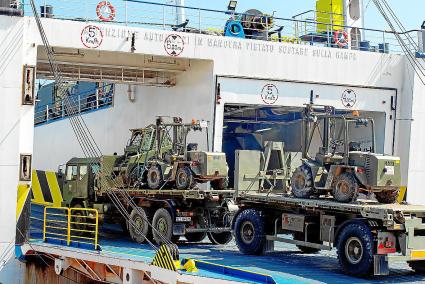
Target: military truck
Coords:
[(183, 211), (367, 235), (341, 166)]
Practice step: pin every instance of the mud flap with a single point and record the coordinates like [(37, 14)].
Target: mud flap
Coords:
[(380, 265)]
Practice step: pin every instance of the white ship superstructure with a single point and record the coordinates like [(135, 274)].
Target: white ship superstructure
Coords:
[(146, 60)]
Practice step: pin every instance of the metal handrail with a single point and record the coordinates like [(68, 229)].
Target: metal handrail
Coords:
[(158, 15), (62, 229), (52, 111)]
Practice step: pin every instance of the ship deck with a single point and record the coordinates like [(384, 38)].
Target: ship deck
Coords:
[(285, 265)]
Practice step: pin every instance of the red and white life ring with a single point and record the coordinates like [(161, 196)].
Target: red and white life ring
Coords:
[(341, 38), (105, 11)]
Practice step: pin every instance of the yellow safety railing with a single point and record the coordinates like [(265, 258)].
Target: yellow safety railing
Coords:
[(73, 226)]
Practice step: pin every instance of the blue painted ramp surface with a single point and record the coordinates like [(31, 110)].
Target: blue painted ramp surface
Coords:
[(286, 265)]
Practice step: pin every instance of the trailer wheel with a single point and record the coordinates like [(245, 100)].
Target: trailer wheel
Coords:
[(184, 178), (222, 238), (220, 184), (302, 182), (355, 250), (195, 237), (249, 232), (155, 177), (163, 224), (387, 197), (346, 188), (139, 232), (417, 266)]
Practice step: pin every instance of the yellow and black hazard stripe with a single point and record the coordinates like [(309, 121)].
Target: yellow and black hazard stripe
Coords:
[(164, 258), (46, 188), (23, 209)]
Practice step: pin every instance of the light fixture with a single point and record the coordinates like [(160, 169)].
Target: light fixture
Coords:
[(263, 130), (232, 5)]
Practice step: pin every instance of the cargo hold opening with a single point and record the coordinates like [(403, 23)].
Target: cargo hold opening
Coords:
[(247, 127)]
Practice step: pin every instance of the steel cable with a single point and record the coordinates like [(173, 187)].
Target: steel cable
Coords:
[(87, 143)]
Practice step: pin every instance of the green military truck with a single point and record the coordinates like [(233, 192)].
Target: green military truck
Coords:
[(192, 211)]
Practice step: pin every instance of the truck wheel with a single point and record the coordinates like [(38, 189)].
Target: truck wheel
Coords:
[(78, 226), (195, 237), (220, 184), (387, 197), (417, 266), (249, 232), (355, 250), (155, 177), (302, 182), (299, 236), (220, 238), (184, 178), (346, 188), (139, 232), (163, 225)]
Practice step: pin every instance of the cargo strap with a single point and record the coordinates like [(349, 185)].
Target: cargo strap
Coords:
[(166, 257)]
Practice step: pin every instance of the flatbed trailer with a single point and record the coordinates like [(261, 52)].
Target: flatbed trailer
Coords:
[(194, 214), (366, 234)]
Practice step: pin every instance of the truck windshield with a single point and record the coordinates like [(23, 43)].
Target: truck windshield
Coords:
[(71, 172)]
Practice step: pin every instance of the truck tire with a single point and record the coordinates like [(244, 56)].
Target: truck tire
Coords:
[(355, 250), (249, 232), (155, 177), (417, 266), (220, 184), (299, 236), (195, 237), (163, 224), (220, 238), (139, 233), (346, 188), (302, 182), (184, 178), (387, 197), (78, 220)]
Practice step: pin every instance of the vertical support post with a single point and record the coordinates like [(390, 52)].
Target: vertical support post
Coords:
[(79, 103), (96, 230), (199, 20), (44, 224), (63, 110), (68, 237), (126, 11), (47, 113), (383, 42), (97, 98), (267, 28), (327, 36), (163, 17)]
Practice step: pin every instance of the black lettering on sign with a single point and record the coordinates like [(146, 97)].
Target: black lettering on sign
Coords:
[(349, 98), (174, 45), (91, 36), (269, 94)]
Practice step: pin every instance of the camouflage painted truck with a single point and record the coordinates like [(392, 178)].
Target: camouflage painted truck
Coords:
[(179, 204)]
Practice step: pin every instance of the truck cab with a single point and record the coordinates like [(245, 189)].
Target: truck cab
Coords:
[(78, 181)]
